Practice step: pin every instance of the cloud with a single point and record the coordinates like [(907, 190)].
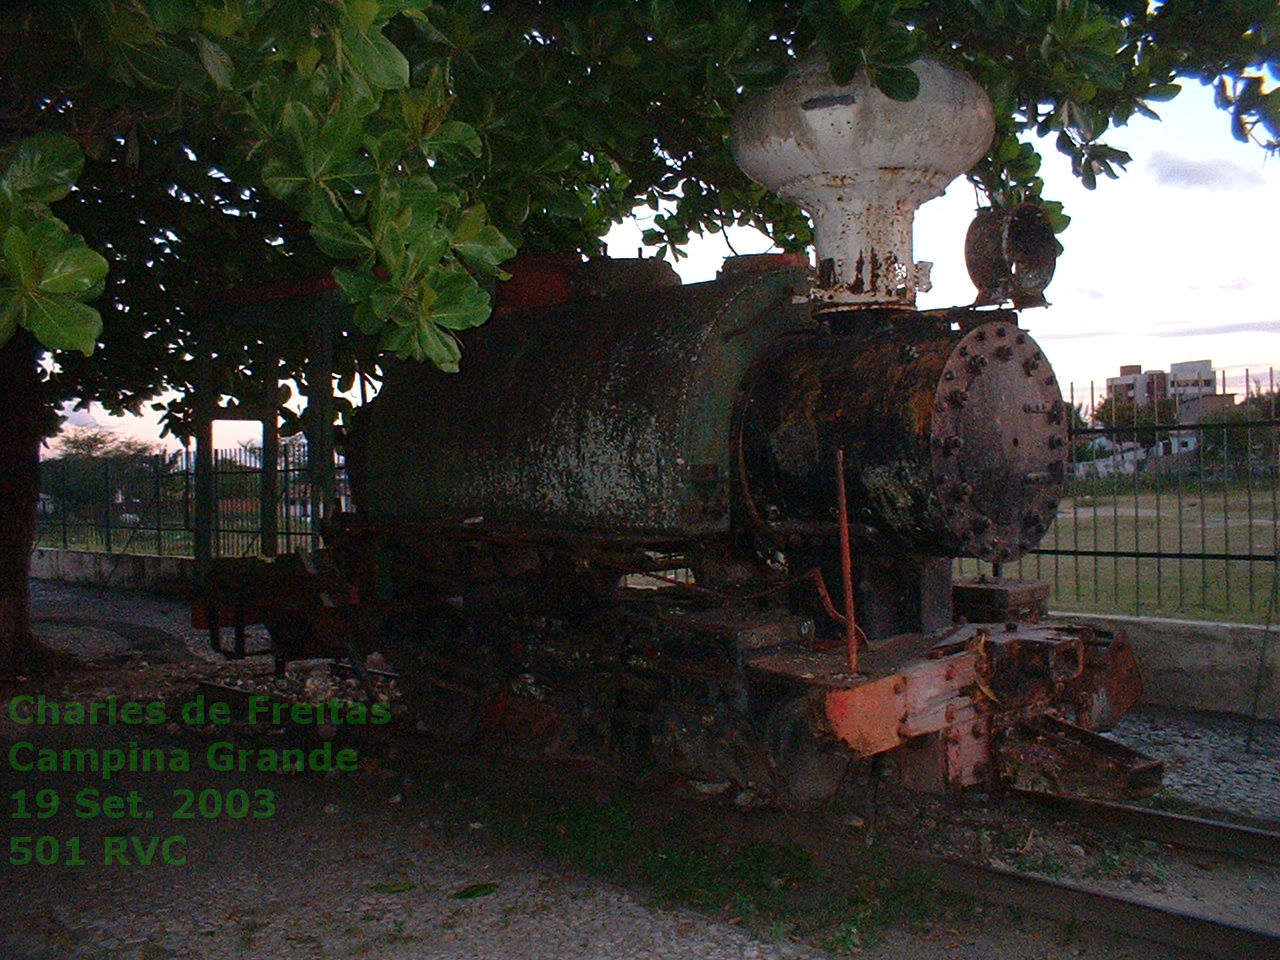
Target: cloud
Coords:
[(1239, 283), (1171, 170), (1244, 326), (1075, 336)]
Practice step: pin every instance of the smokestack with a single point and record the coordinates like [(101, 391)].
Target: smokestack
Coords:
[(860, 164)]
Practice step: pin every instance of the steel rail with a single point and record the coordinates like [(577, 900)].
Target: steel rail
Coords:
[(1076, 903), (1235, 840)]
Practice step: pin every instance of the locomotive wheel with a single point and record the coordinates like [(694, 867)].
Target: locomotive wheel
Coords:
[(807, 771)]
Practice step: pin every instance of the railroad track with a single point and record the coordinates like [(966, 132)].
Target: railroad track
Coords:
[(1076, 903), (1260, 841)]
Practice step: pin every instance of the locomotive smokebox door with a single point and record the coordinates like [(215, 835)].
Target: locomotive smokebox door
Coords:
[(999, 401)]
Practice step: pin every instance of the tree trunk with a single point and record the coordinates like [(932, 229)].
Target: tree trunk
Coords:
[(22, 421)]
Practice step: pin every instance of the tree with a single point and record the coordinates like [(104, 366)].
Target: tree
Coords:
[(1237, 437), (1127, 422), (409, 147)]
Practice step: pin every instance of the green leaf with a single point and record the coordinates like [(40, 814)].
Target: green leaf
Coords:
[(9, 313), (62, 323), (18, 258), (459, 302), (473, 891), (469, 223), (374, 58), (898, 83), (441, 348), (160, 66), (454, 136), (485, 251), (44, 167), (76, 271), (217, 62), (341, 239), (1162, 92)]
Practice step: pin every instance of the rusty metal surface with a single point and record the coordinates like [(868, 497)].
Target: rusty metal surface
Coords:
[(596, 415), (999, 443), (984, 599), (1108, 687), (1053, 756), (955, 441), (1011, 254)]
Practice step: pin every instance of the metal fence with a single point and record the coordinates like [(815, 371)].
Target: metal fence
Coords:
[(146, 504), (1158, 519), (1165, 520)]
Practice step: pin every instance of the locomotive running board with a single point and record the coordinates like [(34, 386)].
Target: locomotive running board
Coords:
[(938, 704)]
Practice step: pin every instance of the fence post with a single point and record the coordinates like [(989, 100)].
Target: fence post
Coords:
[(107, 501), (157, 503)]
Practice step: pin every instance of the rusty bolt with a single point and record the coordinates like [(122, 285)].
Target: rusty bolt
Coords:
[(952, 444), (978, 731), (1000, 331), (1021, 339), (948, 375), (899, 685), (1031, 365), (1056, 441), (959, 398), (1004, 352), (964, 350), (976, 363), (982, 335)]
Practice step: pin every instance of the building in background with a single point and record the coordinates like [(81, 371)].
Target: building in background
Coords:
[(1191, 378), (1138, 386)]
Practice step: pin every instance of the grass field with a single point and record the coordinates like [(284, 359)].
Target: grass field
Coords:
[(1220, 521)]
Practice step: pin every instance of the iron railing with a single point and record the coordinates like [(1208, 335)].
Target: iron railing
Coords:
[(146, 504), (1162, 520), (1173, 520)]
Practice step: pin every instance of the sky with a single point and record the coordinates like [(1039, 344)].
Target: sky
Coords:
[(1178, 259)]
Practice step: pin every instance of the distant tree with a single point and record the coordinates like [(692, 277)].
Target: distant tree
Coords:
[(1231, 436), (1127, 422), (1086, 447), (85, 461)]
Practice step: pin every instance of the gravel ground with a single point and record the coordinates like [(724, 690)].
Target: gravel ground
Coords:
[(358, 866), (1210, 760)]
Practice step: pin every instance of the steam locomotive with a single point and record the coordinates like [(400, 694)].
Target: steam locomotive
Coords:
[(713, 524)]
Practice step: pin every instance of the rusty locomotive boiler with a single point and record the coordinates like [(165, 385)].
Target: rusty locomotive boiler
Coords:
[(713, 525)]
